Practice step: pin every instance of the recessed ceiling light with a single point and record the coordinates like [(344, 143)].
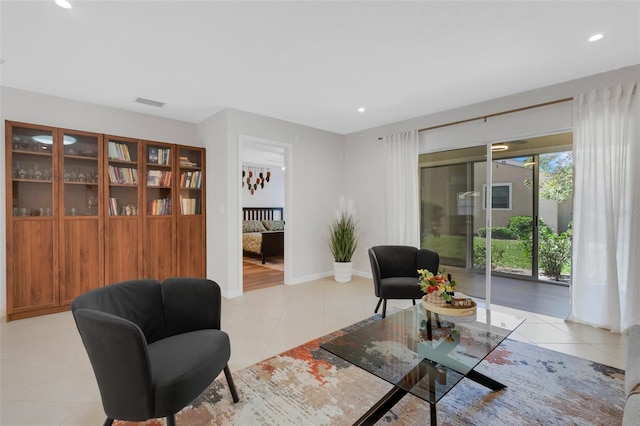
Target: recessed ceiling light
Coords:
[(499, 147), (595, 37), (361, 109), (64, 4)]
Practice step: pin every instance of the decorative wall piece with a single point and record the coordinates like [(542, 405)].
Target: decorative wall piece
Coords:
[(254, 178)]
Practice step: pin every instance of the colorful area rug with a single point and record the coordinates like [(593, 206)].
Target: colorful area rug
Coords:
[(308, 386)]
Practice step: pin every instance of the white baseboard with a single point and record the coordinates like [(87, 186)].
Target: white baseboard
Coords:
[(231, 294), (307, 278)]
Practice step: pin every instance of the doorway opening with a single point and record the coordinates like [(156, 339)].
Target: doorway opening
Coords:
[(262, 183)]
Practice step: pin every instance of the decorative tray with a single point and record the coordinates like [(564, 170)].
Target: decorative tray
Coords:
[(453, 312)]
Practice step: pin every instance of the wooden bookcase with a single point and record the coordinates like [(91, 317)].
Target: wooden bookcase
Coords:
[(84, 210), (80, 217), (191, 226), (123, 199), (159, 252), (32, 211)]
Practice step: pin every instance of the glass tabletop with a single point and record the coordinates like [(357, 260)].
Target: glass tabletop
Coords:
[(397, 348)]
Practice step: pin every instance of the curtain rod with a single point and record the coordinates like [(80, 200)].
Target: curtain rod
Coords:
[(495, 114)]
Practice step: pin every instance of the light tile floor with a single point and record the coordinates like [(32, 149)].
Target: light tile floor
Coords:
[(46, 378)]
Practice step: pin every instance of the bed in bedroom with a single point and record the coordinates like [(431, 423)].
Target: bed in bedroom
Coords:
[(263, 231)]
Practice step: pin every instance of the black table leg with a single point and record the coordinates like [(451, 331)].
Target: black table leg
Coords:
[(485, 381), (434, 418), (430, 324), (376, 412)]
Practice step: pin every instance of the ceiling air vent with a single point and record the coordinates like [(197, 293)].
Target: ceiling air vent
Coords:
[(150, 102)]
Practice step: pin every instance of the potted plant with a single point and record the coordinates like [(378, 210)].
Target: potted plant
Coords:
[(343, 242)]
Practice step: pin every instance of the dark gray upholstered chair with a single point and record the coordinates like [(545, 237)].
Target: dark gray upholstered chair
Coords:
[(395, 272), (153, 347)]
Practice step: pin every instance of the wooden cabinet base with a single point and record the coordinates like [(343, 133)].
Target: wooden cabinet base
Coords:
[(36, 312)]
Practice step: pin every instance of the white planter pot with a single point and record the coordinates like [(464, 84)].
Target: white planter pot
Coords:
[(342, 271)]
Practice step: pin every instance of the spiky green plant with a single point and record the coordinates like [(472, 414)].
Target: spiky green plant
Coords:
[(342, 239)]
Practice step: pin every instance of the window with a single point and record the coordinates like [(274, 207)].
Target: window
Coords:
[(466, 201), (501, 196)]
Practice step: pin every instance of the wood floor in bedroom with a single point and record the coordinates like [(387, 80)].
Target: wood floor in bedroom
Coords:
[(256, 276)]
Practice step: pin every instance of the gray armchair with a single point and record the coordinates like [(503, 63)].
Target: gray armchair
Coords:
[(395, 272), (153, 347)]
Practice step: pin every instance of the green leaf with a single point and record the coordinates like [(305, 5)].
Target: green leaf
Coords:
[(342, 238)]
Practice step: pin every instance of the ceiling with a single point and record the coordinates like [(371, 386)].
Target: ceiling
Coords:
[(312, 63)]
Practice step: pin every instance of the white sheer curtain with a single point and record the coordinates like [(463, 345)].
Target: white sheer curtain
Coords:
[(401, 192), (605, 287)]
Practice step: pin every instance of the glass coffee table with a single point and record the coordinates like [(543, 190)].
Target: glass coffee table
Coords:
[(423, 353)]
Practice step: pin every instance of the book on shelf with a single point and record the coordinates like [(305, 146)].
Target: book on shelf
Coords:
[(153, 154), (159, 178), (163, 156), (123, 175), (189, 206), (116, 209), (159, 207), (118, 151), (185, 162), (113, 206), (191, 180)]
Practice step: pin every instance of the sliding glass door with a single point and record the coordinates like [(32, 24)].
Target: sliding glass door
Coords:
[(446, 209), (451, 213), (530, 207), (512, 209)]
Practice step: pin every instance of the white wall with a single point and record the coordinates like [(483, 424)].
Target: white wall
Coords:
[(272, 195), (29, 107), (364, 154), (36, 108), (314, 183), (212, 133)]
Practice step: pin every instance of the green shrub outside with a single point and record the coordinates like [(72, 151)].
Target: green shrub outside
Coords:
[(522, 226), (454, 246), (511, 253), (498, 233), (480, 254), (555, 252)]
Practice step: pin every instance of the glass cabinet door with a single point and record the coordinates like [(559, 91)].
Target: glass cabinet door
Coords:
[(31, 239), (123, 177), (80, 168), (159, 180), (191, 176), (32, 172)]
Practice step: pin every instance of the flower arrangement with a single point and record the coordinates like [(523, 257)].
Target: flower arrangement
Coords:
[(438, 283)]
